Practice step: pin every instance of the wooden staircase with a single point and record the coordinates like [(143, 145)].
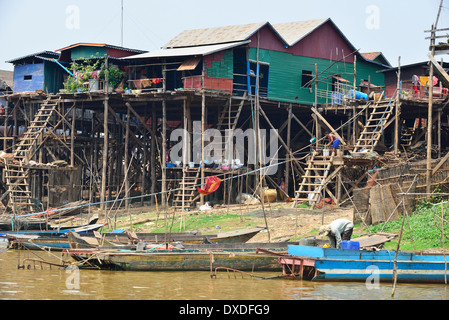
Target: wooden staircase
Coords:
[(16, 173), (227, 123), (315, 177), (186, 194), (373, 130)]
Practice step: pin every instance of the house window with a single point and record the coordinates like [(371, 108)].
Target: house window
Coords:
[(307, 77), (29, 77)]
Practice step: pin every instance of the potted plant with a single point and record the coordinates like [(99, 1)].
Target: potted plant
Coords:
[(114, 76)]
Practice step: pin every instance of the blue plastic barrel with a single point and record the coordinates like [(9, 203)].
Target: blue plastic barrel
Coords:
[(358, 95), (353, 245)]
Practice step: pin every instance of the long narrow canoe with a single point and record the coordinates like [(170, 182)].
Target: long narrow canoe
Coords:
[(175, 259)]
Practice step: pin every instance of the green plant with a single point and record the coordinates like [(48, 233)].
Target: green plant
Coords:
[(83, 70), (114, 76), (71, 84), (422, 229)]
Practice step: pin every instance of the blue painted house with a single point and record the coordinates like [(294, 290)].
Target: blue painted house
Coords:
[(38, 71)]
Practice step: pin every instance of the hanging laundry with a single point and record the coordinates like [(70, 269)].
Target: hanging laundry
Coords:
[(212, 184), (415, 80), (423, 80), (145, 83), (416, 83), (435, 81)]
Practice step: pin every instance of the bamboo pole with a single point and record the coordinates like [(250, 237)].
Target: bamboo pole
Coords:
[(126, 159), (395, 264), (164, 152), (396, 118), (203, 129), (430, 107), (288, 154), (105, 152)]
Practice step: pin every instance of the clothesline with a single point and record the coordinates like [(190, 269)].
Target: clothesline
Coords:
[(149, 194), (146, 83)]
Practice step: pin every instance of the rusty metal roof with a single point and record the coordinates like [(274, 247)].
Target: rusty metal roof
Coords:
[(292, 32), (199, 37)]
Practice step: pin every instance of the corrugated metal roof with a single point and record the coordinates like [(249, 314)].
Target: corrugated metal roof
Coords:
[(199, 37), (292, 32), (41, 55), (100, 45), (189, 51)]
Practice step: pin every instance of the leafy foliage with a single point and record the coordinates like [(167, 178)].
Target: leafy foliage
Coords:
[(422, 229), (85, 69)]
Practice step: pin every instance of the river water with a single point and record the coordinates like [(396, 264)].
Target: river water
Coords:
[(41, 283)]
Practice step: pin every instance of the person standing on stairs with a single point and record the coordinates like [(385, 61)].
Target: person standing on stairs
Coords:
[(334, 141)]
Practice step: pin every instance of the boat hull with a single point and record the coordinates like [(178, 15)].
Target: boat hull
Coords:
[(201, 257), (361, 265), (192, 261)]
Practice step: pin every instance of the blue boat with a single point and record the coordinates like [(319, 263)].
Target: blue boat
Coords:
[(50, 239), (328, 264)]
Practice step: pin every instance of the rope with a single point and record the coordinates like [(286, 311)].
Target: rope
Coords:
[(149, 194)]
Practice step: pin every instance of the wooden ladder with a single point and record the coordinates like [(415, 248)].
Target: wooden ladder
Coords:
[(15, 173), (228, 119), (186, 194), (315, 177), (35, 130), (407, 135), (373, 130)]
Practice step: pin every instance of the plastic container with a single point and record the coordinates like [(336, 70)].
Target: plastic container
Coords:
[(358, 95), (353, 245), (325, 152), (336, 97)]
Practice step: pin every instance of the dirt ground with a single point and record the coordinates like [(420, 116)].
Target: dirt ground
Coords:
[(289, 222), (284, 222)]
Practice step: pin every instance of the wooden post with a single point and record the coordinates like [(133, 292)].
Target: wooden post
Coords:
[(164, 152), (127, 159), (72, 139), (203, 128), (184, 152), (153, 151), (396, 119), (354, 123), (287, 165), (439, 133), (429, 118), (105, 151)]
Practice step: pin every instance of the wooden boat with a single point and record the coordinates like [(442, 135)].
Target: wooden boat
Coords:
[(58, 240), (31, 224), (115, 239), (327, 264), (53, 239), (17, 223), (193, 257), (235, 236)]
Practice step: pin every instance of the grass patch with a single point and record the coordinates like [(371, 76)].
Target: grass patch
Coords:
[(422, 229), (208, 223)]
